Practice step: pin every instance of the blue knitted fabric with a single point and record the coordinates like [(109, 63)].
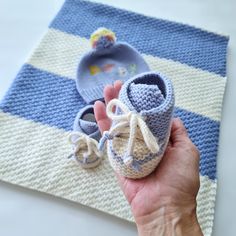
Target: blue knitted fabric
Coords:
[(85, 122), (145, 97), (42, 103), (149, 101), (156, 108)]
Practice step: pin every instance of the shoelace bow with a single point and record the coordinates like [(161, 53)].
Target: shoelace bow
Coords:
[(128, 122), (79, 140)]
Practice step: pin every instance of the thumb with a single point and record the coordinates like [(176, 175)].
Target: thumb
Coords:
[(179, 134)]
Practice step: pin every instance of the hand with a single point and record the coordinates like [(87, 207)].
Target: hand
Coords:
[(163, 203)]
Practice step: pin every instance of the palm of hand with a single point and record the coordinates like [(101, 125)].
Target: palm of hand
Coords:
[(174, 182)]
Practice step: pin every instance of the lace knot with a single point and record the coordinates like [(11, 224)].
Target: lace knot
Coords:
[(80, 140), (106, 136), (130, 161)]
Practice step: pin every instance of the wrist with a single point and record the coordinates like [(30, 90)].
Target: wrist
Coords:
[(169, 220)]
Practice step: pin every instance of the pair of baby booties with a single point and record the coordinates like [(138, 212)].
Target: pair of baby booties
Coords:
[(141, 116)]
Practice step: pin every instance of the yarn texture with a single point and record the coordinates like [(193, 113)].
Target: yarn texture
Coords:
[(38, 111)]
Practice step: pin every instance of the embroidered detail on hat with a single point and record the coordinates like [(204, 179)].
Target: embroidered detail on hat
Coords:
[(122, 71), (94, 69), (108, 67), (132, 69)]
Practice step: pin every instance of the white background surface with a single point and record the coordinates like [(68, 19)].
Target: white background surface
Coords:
[(26, 212)]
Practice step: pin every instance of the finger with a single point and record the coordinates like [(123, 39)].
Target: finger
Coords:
[(109, 93), (120, 178), (178, 132), (180, 139), (127, 188), (117, 87), (103, 121)]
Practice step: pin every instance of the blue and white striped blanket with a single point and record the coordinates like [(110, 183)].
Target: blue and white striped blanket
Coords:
[(38, 111)]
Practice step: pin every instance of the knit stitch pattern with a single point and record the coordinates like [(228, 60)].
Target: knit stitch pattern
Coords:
[(145, 97), (40, 107), (85, 123)]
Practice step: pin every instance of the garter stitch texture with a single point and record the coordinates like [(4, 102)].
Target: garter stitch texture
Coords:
[(87, 125), (42, 103)]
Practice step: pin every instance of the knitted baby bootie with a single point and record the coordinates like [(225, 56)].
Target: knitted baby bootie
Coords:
[(85, 138), (141, 125)]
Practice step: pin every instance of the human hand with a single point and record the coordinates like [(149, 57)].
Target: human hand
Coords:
[(163, 203)]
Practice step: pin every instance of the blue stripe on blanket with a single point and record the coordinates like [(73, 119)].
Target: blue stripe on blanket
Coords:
[(204, 133), (47, 98), (43, 97), (161, 38)]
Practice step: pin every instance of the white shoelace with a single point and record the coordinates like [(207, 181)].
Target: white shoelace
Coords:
[(79, 140), (128, 122)]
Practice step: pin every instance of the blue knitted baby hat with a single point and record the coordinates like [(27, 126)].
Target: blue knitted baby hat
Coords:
[(141, 125), (107, 62)]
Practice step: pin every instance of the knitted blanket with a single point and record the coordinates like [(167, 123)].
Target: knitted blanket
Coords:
[(39, 109)]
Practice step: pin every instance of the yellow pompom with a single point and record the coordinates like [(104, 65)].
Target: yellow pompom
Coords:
[(103, 38)]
